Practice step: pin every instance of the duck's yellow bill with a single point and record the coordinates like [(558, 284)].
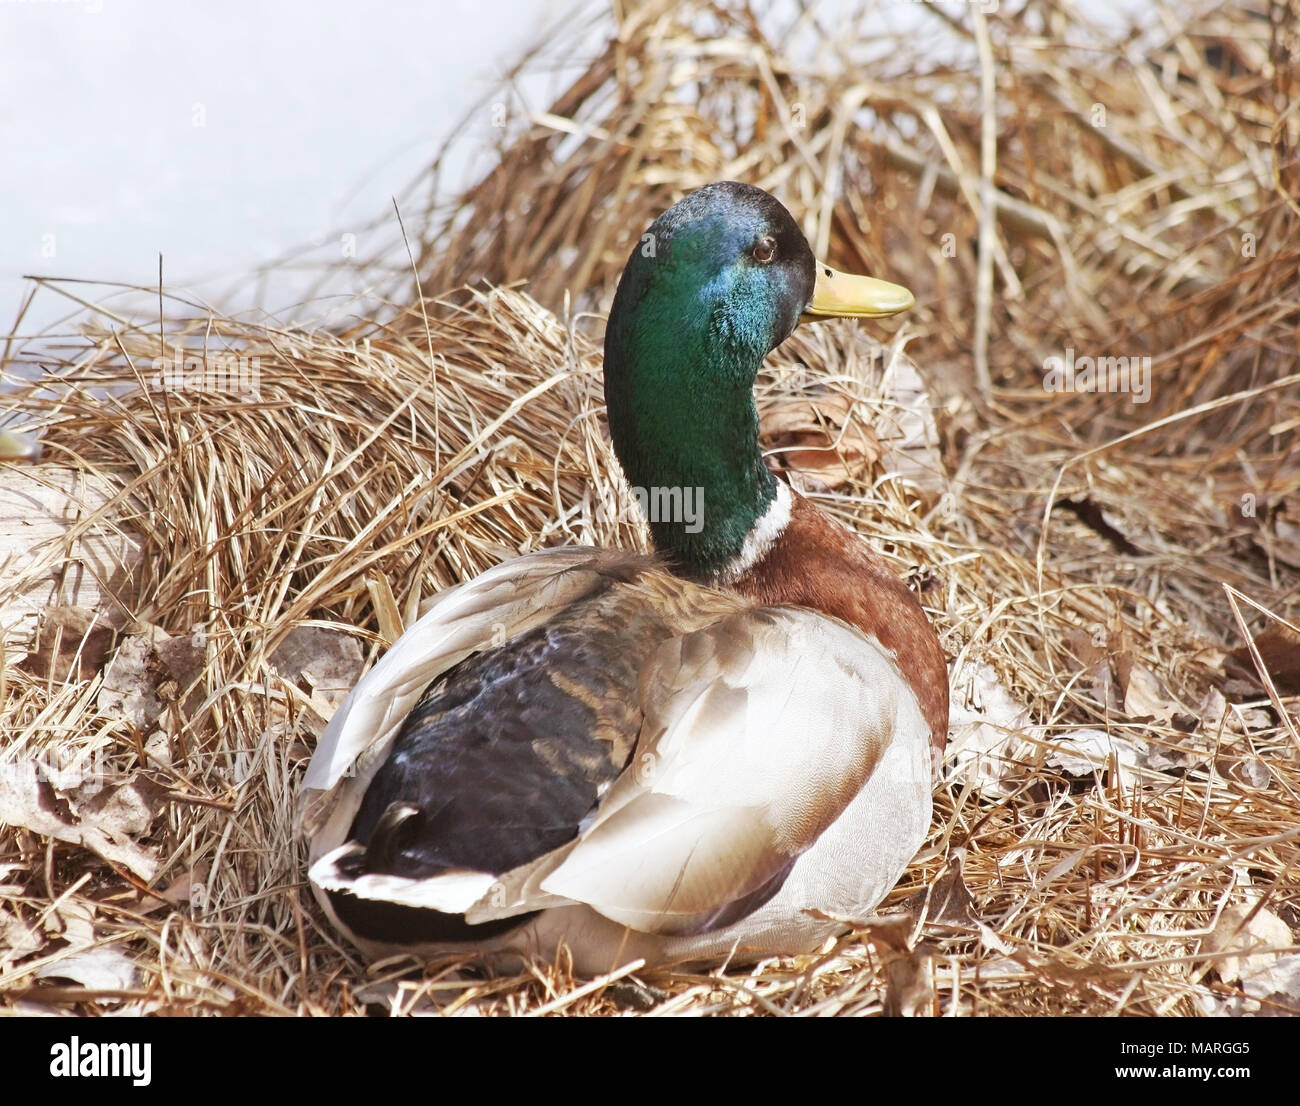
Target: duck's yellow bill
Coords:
[(18, 447), (855, 297)]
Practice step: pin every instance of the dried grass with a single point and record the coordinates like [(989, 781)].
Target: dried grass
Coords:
[(1077, 537)]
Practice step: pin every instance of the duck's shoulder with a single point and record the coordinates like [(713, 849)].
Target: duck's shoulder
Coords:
[(609, 590), (510, 598)]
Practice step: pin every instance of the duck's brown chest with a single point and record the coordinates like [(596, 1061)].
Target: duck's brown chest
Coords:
[(819, 564)]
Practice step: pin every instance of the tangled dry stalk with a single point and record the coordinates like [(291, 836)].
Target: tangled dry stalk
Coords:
[(1119, 811)]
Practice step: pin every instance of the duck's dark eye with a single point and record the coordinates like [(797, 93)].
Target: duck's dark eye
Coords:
[(765, 250)]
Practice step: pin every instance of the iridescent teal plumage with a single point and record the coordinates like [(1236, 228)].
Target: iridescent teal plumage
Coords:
[(695, 314)]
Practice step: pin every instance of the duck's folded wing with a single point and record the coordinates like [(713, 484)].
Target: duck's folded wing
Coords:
[(506, 600), (759, 730)]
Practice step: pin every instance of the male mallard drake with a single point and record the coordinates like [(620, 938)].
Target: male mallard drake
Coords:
[(703, 754)]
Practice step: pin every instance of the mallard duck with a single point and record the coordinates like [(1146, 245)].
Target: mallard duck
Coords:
[(720, 751)]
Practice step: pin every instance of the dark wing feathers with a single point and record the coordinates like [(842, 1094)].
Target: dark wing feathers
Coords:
[(506, 753)]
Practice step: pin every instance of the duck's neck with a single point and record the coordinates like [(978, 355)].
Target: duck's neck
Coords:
[(684, 426)]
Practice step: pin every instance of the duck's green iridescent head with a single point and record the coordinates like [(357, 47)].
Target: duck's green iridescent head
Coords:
[(717, 282)]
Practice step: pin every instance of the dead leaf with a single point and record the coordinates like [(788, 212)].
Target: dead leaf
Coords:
[(1279, 649), (907, 428), (909, 985), (321, 661), (126, 809), (1250, 937), (947, 901), (984, 730), (1144, 696), (187, 891), (28, 800), (1084, 653), (1277, 984), (73, 919), (1105, 688), (147, 672), (1249, 720), (909, 979), (1212, 709), (158, 749), (1252, 772), (17, 939), (1287, 549), (71, 643), (820, 435), (1084, 751), (105, 968)]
